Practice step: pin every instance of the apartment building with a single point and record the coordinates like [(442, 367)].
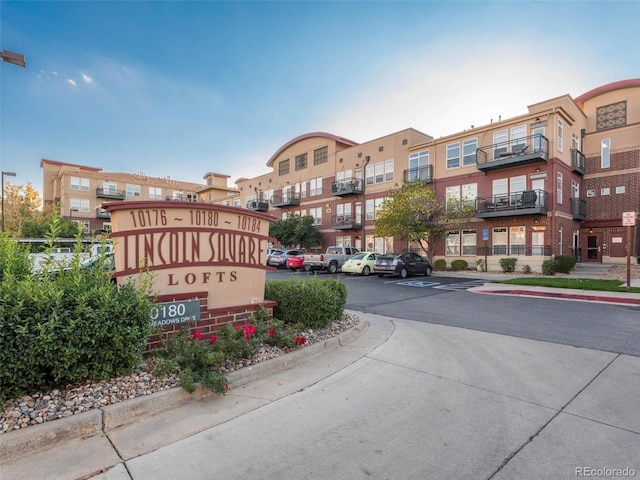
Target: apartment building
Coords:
[(552, 181), (79, 191)]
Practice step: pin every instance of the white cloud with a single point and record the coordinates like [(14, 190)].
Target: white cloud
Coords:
[(86, 78), (72, 82)]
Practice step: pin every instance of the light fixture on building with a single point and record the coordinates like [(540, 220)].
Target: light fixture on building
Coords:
[(13, 58), (537, 169), (590, 230)]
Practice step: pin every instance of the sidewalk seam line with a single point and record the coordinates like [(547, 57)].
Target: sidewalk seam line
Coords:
[(532, 437)]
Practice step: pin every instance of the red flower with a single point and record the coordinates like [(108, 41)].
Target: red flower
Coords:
[(226, 386), (249, 331), (300, 340), (272, 332), (238, 326), (213, 339), (197, 335)]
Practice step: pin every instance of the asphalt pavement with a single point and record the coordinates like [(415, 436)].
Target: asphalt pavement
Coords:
[(389, 399)]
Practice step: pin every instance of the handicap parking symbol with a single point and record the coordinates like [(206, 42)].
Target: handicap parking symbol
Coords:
[(418, 283)]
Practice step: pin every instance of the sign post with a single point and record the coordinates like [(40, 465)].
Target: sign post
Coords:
[(628, 220), (485, 237)]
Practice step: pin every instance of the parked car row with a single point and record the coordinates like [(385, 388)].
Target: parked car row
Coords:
[(362, 263)]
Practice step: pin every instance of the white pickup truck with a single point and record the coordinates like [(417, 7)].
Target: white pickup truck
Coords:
[(330, 261)]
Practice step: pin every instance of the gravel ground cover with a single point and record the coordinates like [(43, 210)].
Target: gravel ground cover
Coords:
[(40, 407)]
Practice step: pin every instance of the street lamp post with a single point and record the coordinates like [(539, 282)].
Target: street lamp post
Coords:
[(8, 174)]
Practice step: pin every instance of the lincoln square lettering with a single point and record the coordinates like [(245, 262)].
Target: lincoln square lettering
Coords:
[(179, 247)]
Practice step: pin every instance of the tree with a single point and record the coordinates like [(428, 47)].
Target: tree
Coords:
[(414, 213), (21, 204), (296, 230)]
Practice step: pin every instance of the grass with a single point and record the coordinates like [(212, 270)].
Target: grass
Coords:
[(575, 283)]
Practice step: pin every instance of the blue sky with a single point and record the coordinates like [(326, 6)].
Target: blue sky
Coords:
[(184, 88)]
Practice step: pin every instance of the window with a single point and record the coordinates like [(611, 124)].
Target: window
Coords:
[(379, 172), (605, 191), (110, 187), (575, 189), (453, 198), (469, 148), (500, 140), (517, 241), (453, 155), (559, 187), (315, 186), (518, 137), (518, 184), (79, 205), (469, 193), (344, 175), (500, 187), (301, 162), (499, 239), (343, 241), (78, 183), (560, 135), (372, 207), (452, 243), (560, 240), (605, 153), (620, 189), (418, 163), (316, 213), (133, 190), (283, 167), (155, 193), (610, 116), (177, 195), (469, 246), (388, 170), (591, 192), (538, 133), (321, 155), (574, 142), (301, 188)]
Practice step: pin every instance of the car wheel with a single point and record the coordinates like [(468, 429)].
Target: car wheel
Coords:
[(366, 271), (403, 273), (333, 268), (306, 268), (428, 272), (381, 275)]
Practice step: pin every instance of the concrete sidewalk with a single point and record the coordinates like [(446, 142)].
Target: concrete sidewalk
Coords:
[(389, 399)]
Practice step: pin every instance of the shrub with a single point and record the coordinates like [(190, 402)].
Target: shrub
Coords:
[(74, 325), (313, 303), (508, 264), (14, 258), (440, 265), (564, 263), (526, 269), (457, 265), (548, 267)]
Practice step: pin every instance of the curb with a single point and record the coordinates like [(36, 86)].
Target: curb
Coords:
[(101, 421)]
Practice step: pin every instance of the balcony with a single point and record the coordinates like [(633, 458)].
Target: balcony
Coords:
[(579, 208), (347, 186), (419, 174), (346, 222), (258, 206), (291, 199), (102, 213), (577, 161), (528, 202), (527, 150), (111, 193)]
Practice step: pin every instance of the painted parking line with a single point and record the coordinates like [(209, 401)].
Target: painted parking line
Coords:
[(462, 286)]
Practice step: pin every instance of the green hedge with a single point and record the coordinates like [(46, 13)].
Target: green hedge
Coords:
[(314, 303), (69, 326), (458, 265), (440, 265), (564, 263)]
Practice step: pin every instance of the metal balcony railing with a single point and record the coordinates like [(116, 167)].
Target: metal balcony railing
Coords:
[(527, 202), (346, 222), (110, 193), (258, 205), (419, 174), (579, 208), (515, 250), (512, 153), (577, 161), (347, 186), (291, 199)]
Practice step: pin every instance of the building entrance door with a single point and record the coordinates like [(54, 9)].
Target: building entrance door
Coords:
[(594, 253)]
